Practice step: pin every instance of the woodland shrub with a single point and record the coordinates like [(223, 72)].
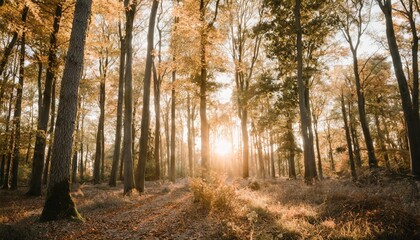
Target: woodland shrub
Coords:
[(213, 193)]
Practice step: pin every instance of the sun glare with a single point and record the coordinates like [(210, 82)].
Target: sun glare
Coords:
[(222, 147)]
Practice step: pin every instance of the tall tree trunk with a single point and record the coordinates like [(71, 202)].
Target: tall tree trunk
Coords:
[(59, 204), (127, 150), (145, 120), (308, 150), (5, 156), (39, 83), (44, 113), (82, 136), (172, 166), (157, 81), (74, 166), (321, 177), (190, 137), (414, 52), (156, 87), (348, 138), (51, 134), (117, 145), (18, 107), (245, 143), (9, 156), (31, 129), (354, 136), (411, 114), (291, 141), (203, 94), (98, 169), (76, 144), (167, 140), (362, 113), (273, 168)]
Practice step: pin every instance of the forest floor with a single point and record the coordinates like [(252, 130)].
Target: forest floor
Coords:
[(386, 208)]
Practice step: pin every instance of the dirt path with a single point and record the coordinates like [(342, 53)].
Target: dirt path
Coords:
[(163, 212)]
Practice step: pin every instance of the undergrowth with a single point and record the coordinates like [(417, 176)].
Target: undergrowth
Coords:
[(213, 193)]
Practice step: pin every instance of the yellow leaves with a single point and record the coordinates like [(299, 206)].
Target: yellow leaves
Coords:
[(109, 9)]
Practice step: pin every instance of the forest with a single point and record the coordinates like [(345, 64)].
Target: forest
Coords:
[(209, 119)]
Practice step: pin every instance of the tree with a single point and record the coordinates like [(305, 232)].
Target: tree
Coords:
[(44, 112), (294, 27), (157, 82), (241, 15), (348, 138), (127, 151), (18, 105), (117, 144), (59, 204), (5, 156), (204, 31), (305, 116), (411, 113), (353, 18), (145, 120), (172, 172)]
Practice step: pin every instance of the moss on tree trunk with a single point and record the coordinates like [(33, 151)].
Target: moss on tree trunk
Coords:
[(59, 204)]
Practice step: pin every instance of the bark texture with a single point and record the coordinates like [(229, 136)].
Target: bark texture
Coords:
[(59, 204)]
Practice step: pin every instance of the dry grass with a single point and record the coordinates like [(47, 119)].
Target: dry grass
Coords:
[(334, 209), (378, 207)]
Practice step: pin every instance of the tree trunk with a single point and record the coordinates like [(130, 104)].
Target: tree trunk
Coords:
[(203, 94), (39, 83), (190, 137), (362, 113), (31, 128), (291, 141), (18, 108), (59, 204), (414, 54), (156, 87), (5, 157), (172, 167), (330, 150), (273, 169), (348, 138), (82, 136), (317, 149), (145, 120), (76, 144), (308, 150), (98, 169), (74, 167), (167, 140), (410, 115), (51, 135), (127, 150), (245, 144), (44, 113), (117, 145), (354, 136)]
